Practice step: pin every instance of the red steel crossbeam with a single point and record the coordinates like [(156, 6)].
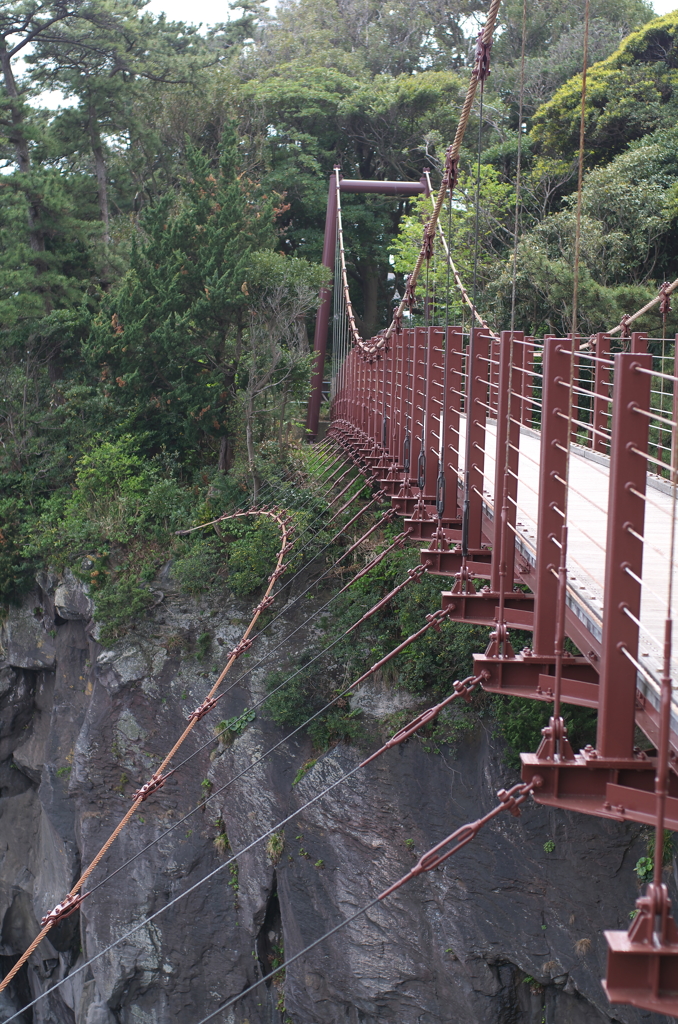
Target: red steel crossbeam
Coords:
[(398, 189)]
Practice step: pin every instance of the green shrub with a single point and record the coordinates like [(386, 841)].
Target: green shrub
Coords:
[(203, 567), (119, 604), (230, 728), (252, 555), (520, 722), (644, 869)]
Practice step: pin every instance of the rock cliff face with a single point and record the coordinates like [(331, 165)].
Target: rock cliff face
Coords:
[(504, 933)]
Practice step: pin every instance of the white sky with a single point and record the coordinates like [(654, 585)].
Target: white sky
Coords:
[(206, 11), (210, 11)]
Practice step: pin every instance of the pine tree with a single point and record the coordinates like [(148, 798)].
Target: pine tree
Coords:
[(169, 341)]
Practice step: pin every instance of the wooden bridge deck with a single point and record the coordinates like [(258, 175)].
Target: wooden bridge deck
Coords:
[(587, 521)]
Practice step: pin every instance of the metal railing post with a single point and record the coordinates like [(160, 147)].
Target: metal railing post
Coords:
[(477, 383), (552, 470), (506, 464), (434, 399), (418, 394), (452, 396), (624, 555), (601, 383), (526, 389)]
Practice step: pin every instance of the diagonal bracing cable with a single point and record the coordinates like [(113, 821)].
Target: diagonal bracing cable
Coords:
[(73, 900), (509, 800), (210, 701), (463, 689)]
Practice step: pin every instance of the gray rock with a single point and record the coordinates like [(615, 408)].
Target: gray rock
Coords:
[(453, 947), (72, 600), (26, 642), (7, 680), (122, 664)]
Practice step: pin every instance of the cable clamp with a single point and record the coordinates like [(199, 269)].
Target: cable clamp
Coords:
[(409, 297), (483, 51), (68, 906), (510, 803), (624, 324), (265, 603), (436, 618), (451, 170), (155, 783), (665, 304), (241, 647), (427, 246), (204, 709)]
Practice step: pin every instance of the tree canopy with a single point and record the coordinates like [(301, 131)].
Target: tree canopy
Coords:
[(162, 225)]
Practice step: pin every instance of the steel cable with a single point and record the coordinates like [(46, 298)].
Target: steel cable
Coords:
[(72, 900), (216, 871), (278, 744)]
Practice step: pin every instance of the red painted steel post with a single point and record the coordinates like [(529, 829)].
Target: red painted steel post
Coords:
[(392, 373), (528, 382), (386, 404), (409, 398), (506, 465), (383, 402), (378, 391), (434, 400), (361, 377), (398, 432), (418, 394), (639, 341), (369, 396), (341, 396), (552, 464), (601, 384), (477, 382), (455, 342), (383, 417), (493, 376), (624, 554), (345, 386), (576, 383), (323, 315), (352, 408)]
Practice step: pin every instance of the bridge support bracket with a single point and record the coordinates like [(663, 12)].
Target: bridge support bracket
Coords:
[(621, 789), (642, 964), (527, 675)]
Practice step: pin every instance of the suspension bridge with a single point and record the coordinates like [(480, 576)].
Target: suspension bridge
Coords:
[(538, 478), (538, 475)]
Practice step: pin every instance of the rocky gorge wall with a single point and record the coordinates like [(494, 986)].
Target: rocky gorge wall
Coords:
[(503, 933)]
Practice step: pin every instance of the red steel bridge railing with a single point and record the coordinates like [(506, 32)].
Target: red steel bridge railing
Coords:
[(539, 477)]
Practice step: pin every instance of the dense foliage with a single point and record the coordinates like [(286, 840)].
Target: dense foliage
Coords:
[(161, 227)]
